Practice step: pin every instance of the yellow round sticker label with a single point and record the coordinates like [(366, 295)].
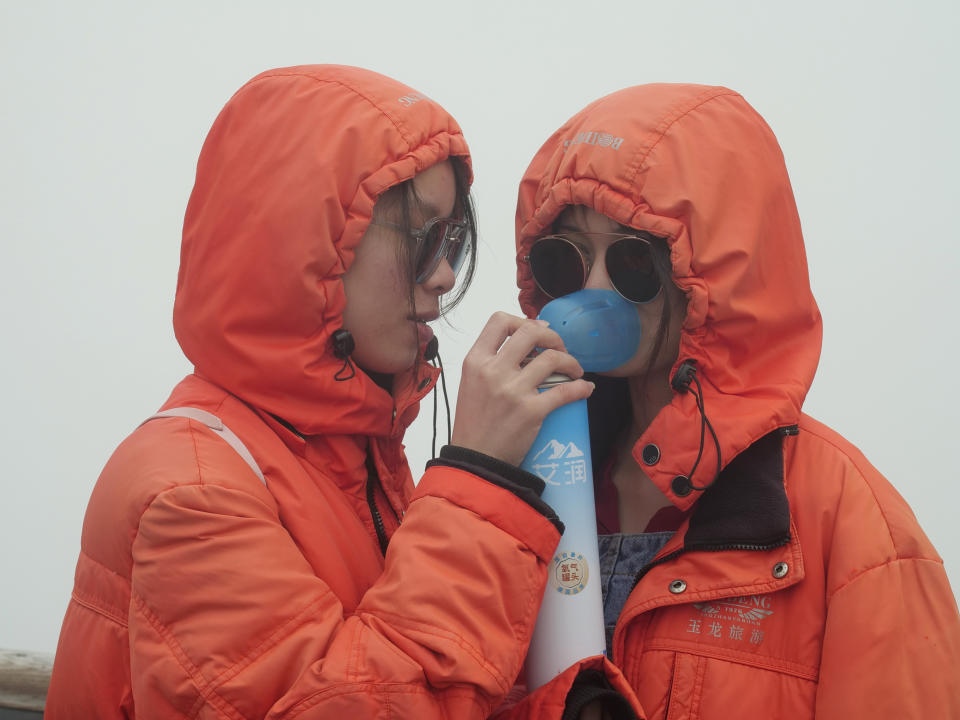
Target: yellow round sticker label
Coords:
[(570, 573)]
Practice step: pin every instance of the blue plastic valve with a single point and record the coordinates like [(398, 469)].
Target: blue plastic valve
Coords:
[(598, 327)]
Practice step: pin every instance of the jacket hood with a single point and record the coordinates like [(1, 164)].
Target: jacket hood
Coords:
[(699, 167), (285, 188)]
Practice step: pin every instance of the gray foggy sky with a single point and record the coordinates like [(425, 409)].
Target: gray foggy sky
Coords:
[(105, 106)]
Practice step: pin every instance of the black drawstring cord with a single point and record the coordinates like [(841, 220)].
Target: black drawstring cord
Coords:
[(347, 367), (432, 354), (687, 373), (716, 442), (433, 443), (446, 399), (343, 345)]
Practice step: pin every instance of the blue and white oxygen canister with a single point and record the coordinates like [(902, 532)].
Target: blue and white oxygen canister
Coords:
[(601, 330)]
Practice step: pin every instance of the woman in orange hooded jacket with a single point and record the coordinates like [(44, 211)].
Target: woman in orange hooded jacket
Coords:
[(754, 564), (243, 554)]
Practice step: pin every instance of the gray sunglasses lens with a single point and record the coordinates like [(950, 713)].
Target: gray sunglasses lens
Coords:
[(557, 266), (631, 269)]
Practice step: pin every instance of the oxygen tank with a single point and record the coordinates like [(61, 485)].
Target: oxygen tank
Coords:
[(602, 331)]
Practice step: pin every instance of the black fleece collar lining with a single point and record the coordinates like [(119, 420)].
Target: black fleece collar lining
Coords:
[(747, 506)]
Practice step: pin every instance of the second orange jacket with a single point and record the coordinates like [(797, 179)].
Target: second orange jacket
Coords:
[(800, 585)]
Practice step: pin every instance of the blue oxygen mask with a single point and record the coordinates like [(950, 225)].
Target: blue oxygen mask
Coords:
[(598, 327)]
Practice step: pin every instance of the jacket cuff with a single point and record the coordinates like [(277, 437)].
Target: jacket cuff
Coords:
[(521, 483), (590, 686), (495, 504)]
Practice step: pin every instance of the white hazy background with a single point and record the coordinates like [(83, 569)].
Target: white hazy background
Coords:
[(104, 106)]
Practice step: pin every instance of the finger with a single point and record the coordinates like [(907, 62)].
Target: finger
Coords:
[(563, 394), (499, 327), (528, 337), (547, 363)]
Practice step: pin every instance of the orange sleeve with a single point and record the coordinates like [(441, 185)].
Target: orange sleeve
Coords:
[(228, 618), (548, 702), (891, 646)]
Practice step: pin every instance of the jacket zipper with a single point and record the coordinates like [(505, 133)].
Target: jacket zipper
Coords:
[(372, 479), (709, 548)]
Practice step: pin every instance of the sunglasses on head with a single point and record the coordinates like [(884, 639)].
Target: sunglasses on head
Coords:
[(560, 267), (439, 239)]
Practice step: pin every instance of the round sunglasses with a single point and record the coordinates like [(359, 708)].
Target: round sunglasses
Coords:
[(560, 267), (439, 239)]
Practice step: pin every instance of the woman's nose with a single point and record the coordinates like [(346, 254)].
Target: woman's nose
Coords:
[(441, 280), (597, 278)]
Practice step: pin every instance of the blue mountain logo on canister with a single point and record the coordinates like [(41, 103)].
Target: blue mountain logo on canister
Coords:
[(559, 463)]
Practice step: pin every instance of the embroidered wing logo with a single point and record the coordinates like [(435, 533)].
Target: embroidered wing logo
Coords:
[(755, 614), (751, 609), (707, 608)]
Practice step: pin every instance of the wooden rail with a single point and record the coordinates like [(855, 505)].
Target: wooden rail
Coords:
[(24, 677)]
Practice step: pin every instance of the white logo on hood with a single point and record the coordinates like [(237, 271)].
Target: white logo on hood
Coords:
[(411, 99), (594, 138)]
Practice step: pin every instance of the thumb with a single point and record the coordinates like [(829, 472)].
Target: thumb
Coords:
[(565, 393)]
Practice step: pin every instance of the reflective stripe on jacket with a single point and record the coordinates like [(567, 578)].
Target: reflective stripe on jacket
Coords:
[(801, 584), (202, 592)]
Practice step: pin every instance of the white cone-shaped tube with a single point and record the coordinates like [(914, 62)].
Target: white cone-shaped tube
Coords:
[(570, 624)]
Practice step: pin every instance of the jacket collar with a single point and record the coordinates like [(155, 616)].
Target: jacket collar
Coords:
[(747, 507), (342, 456), (746, 514)]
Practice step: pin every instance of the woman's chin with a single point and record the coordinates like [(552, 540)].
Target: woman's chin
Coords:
[(387, 364)]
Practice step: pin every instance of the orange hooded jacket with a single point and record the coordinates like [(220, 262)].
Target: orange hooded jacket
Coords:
[(202, 592), (800, 585)]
